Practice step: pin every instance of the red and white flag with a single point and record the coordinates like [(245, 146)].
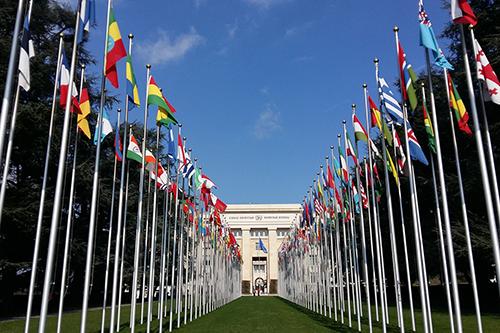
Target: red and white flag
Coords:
[(207, 182), (218, 203), (461, 12), (64, 86), (486, 73)]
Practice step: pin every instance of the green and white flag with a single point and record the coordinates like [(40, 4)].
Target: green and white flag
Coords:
[(133, 151)]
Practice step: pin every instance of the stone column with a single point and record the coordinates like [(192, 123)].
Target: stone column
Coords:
[(246, 253), (272, 256)]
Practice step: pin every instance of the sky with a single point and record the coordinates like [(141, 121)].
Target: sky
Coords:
[(261, 86)]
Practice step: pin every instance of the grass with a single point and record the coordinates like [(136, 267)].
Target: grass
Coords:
[(260, 314)]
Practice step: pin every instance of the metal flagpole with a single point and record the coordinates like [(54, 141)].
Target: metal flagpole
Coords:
[(153, 237), (60, 176), (10, 76), (464, 212), (62, 290), (126, 133), (122, 250), (139, 208), (146, 250), (95, 186), (482, 161), (110, 230), (489, 151), (165, 253), (444, 199), (392, 235), (34, 265), (375, 219)]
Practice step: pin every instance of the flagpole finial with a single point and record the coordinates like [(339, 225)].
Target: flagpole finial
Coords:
[(395, 29), (119, 110), (343, 122), (353, 106), (61, 35), (130, 36), (82, 66), (180, 125), (338, 136), (326, 157), (365, 85), (471, 27), (422, 84), (375, 60), (148, 66), (331, 147), (196, 160), (321, 166)]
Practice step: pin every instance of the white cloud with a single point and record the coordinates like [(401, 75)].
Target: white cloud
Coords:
[(232, 29), (166, 48), (268, 123), (265, 4)]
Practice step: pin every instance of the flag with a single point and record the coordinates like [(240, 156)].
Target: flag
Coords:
[(376, 118), (408, 78), (219, 205), (82, 117), (155, 96), (457, 105), (170, 143), (64, 86), (390, 165), (343, 165), (149, 161), (351, 151), (416, 151), (400, 154), (207, 182), (359, 131), (181, 153), (261, 246), (26, 52), (118, 144), (429, 129), (87, 18), (364, 197), (115, 50), (355, 195), (428, 38), (161, 177), (390, 103), (485, 73), (330, 181), (132, 90), (106, 127), (165, 117), (461, 12), (133, 150)]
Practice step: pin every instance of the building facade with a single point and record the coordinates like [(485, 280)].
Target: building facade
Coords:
[(251, 224)]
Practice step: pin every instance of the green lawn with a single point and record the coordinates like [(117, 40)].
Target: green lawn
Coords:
[(260, 314)]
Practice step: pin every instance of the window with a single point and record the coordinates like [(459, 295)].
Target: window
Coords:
[(257, 247), (237, 232), (282, 232), (258, 233)]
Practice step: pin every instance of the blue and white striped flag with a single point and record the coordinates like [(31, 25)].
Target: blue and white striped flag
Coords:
[(87, 17), (390, 103)]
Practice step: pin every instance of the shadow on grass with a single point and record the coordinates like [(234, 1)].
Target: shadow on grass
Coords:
[(330, 323)]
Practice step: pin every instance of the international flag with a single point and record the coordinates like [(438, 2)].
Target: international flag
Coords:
[(364, 197), (181, 152), (219, 205), (461, 12), (82, 117), (107, 128), (343, 166), (485, 73), (416, 151), (429, 130), (428, 38), (389, 101), (330, 181), (64, 87), (115, 50), (87, 18), (359, 131), (390, 165), (408, 78), (351, 151), (161, 177), (132, 89), (133, 150), (165, 115), (376, 119), (149, 161), (261, 246), (171, 153), (355, 195), (118, 144), (400, 154), (26, 52), (457, 105)]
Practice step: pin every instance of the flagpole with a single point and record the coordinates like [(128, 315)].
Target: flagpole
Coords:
[(153, 237), (69, 217), (391, 227), (139, 208), (464, 212), (59, 182), (375, 216), (489, 146), (181, 255), (122, 250), (444, 199), (165, 253), (10, 77), (126, 133), (34, 265), (146, 250), (482, 160)]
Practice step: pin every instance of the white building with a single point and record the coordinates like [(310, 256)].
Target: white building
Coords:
[(268, 222)]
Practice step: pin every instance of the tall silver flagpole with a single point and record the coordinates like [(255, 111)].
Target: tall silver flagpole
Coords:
[(146, 250), (56, 211), (62, 290), (10, 76), (121, 209), (110, 229), (153, 237), (464, 212), (95, 188), (375, 217), (444, 199), (181, 255), (482, 161), (34, 265), (139, 208)]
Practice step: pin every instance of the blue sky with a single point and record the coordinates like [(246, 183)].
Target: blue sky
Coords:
[(262, 86)]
